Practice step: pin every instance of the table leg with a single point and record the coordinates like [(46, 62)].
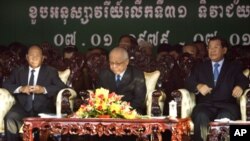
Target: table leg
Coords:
[(153, 137), (142, 138), (43, 135), (27, 132), (157, 137)]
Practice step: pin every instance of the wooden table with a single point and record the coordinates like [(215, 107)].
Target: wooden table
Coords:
[(109, 126)]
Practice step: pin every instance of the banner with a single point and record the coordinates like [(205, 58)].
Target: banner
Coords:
[(100, 23)]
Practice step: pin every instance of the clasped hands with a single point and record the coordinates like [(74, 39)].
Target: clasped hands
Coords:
[(37, 89), (205, 89)]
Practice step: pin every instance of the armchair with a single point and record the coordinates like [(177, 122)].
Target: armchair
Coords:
[(186, 102), (154, 102), (152, 72), (7, 100)]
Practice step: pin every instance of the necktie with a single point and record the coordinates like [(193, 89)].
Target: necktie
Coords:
[(216, 72), (31, 81), (30, 99), (118, 80)]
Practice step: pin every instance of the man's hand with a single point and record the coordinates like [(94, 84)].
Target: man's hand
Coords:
[(237, 91), (25, 89), (37, 89), (32, 89), (204, 89)]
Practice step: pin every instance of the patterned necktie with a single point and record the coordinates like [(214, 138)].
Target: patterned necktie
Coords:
[(118, 80), (30, 97), (216, 72)]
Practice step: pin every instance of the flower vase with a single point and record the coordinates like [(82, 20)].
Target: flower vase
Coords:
[(103, 116)]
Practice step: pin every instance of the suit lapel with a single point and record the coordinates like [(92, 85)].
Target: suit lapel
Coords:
[(112, 83), (25, 77), (210, 75), (41, 75), (222, 72), (126, 77)]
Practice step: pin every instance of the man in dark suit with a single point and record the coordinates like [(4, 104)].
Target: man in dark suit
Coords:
[(34, 87), (126, 80), (131, 81), (217, 83)]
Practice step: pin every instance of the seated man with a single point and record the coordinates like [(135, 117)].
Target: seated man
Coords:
[(124, 79), (34, 87), (217, 82)]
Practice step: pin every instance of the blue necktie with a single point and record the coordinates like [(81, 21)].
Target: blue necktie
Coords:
[(29, 103), (216, 72), (118, 80)]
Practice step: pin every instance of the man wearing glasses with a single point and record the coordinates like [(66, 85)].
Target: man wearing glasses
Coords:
[(124, 79)]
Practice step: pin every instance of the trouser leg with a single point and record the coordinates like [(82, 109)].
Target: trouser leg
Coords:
[(201, 116), (12, 124)]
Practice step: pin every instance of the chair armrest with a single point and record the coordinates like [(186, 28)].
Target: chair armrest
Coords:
[(64, 75), (151, 79), (155, 99), (6, 102), (65, 101), (244, 102), (185, 102)]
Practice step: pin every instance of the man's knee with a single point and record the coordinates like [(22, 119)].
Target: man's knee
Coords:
[(201, 117)]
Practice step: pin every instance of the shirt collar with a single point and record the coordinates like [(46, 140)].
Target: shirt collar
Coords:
[(36, 69), (220, 62), (121, 74)]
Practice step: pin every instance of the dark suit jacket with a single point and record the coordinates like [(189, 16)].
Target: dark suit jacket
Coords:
[(132, 86), (231, 74), (47, 77)]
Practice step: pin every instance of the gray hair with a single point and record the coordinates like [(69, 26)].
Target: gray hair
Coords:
[(121, 51)]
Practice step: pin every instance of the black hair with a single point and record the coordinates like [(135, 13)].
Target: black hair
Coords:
[(222, 41), (70, 48), (134, 43), (164, 47)]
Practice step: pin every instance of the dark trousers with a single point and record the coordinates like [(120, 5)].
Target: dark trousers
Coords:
[(13, 122), (204, 113)]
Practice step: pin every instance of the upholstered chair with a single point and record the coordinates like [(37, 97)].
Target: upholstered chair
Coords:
[(96, 61), (151, 84), (153, 72), (186, 102), (7, 100)]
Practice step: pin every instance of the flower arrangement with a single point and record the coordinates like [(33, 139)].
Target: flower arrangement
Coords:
[(104, 103)]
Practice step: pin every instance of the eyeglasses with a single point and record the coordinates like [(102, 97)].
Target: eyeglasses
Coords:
[(117, 63)]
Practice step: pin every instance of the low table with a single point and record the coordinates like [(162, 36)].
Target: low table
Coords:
[(108, 126)]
